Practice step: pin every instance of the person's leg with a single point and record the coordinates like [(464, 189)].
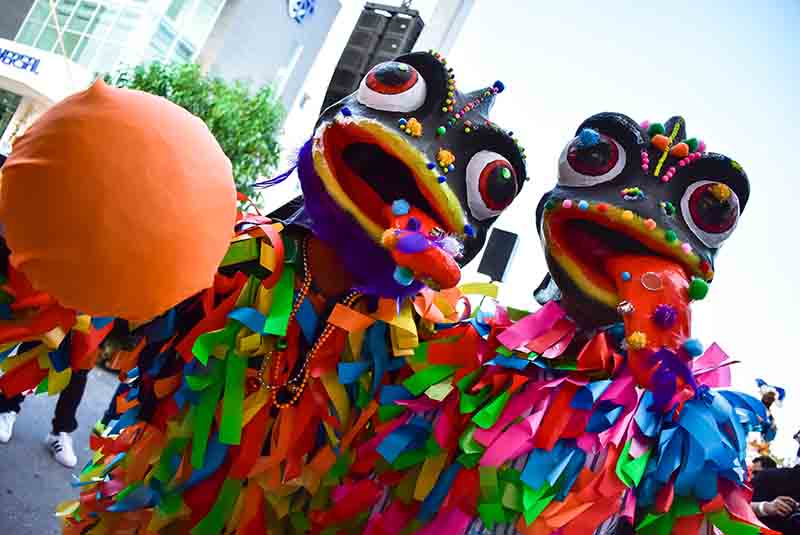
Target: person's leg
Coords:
[(12, 404), (9, 407), (65, 420), (111, 411)]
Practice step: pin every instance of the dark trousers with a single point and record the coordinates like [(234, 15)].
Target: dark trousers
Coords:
[(64, 419)]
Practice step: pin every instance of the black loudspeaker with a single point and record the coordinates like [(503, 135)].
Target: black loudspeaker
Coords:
[(286, 211), (381, 34), (497, 254)]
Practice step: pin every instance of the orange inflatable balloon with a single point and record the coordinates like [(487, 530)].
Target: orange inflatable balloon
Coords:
[(118, 203)]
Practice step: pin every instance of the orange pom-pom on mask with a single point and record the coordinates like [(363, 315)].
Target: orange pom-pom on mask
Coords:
[(118, 203)]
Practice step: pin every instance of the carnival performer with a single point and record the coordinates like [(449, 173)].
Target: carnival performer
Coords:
[(770, 395), (335, 380)]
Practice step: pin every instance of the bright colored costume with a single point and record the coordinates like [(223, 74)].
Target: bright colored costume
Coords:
[(333, 380)]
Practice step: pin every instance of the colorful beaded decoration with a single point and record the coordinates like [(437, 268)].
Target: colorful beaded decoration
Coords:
[(686, 151), (296, 384)]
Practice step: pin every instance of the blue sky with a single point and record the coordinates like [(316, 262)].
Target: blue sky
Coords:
[(730, 68)]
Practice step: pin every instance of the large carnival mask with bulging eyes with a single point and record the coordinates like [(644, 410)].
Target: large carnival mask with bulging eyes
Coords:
[(625, 188), (418, 165)]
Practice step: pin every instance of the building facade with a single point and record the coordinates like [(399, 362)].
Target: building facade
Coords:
[(31, 81), (263, 42), (267, 42), (103, 35)]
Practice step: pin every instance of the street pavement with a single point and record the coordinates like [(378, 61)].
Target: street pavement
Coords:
[(32, 483)]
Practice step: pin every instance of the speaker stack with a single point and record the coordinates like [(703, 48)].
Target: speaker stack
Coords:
[(381, 34)]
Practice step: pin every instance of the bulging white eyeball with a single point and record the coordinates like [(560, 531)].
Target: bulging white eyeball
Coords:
[(393, 86)]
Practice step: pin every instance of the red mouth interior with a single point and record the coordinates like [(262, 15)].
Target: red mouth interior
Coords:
[(373, 177), (593, 241), (593, 245)]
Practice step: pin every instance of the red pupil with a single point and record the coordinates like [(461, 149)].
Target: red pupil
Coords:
[(392, 78), (498, 185), (593, 160), (709, 213)]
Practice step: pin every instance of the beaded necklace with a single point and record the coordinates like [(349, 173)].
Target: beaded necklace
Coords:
[(294, 387)]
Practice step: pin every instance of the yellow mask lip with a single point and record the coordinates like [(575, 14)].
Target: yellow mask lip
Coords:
[(629, 224), (442, 197)]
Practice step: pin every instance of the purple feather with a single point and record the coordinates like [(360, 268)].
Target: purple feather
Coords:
[(274, 181)]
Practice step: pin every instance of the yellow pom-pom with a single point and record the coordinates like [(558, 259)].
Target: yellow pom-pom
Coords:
[(720, 191), (414, 127), (637, 340), (445, 157)]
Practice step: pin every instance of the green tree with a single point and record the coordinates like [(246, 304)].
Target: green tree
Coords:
[(246, 123)]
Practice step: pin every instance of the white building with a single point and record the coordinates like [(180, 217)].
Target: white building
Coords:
[(31, 81), (262, 41)]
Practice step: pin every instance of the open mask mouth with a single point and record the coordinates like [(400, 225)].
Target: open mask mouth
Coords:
[(380, 179), (586, 242)]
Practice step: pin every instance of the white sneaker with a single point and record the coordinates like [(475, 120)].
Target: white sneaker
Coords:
[(60, 446), (7, 420)]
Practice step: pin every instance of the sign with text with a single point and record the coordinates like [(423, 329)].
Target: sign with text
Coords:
[(19, 61)]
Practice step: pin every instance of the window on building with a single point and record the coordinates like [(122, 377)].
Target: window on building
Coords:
[(194, 19), (105, 18), (82, 17), (86, 50), (162, 42), (47, 39), (99, 34), (184, 51), (30, 32), (40, 11), (71, 40), (176, 8), (63, 10), (8, 106)]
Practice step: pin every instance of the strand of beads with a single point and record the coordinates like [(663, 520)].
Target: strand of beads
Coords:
[(280, 345), (297, 384)]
